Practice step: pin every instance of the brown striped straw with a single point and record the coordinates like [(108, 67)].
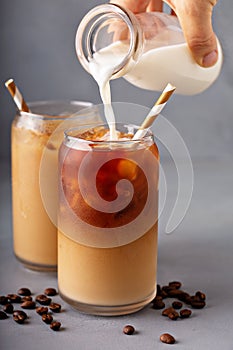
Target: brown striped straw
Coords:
[(17, 96), (155, 111)]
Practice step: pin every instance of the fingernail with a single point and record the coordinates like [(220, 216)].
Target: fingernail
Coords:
[(210, 59)]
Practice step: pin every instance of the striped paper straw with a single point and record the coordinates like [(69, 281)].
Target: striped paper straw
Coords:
[(17, 96), (156, 109)]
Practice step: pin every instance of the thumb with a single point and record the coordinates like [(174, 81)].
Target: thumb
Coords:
[(196, 21)]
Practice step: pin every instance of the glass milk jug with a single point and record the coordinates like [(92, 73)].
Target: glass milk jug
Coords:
[(147, 49)]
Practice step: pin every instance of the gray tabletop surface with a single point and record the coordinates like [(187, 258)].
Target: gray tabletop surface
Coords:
[(199, 253)]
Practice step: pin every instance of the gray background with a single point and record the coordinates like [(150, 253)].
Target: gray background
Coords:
[(37, 50)]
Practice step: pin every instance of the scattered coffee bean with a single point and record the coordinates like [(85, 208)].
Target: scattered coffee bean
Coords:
[(55, 307), (176, 293), (51, 292), (24, 292), (173, 315), (185, 313), (129, 330), (163, 294), (198, 304), (158, 303), (177, 305), (157, 298), (26, 298), (47, 318), (14, 298), (158, 290), (200, 295), (3, 315), (3, 300), (43, 299), (167, 338), (175, 284), (194, 298), (187, 300), (41, 310), (167, 289), (55, 325), (167, 311), (28, 305), (8, 308), (19, 316), (183, 297)]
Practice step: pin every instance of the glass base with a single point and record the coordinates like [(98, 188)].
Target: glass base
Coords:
[(108, 310), (37, 267)]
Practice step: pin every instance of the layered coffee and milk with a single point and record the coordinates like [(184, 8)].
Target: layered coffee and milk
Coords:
[(35, 235), (36, 138), (107, 249)]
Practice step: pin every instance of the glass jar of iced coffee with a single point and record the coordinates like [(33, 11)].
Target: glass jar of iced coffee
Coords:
[(34, 227), (108, 214)]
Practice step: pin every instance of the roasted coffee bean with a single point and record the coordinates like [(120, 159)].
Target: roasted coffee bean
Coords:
[(55, 325), (19, 316), (158, 290), (43, 299), (183, 297), (50, 292), (8, 308), (177, 305), (173, 315), (167, 289), (157, 298), (200, 295), (24, 292), (129, 330), (167, 311), (3, 300), (47, 318), (185, 313), (28, 305), (198, 304), (167, 338), (41, 310), (194, 298), (188, 300), (175, 284), (158, 303), (163, 294), (3, 315), (14, 298), (26, 298), (55, 307), (176, 293)]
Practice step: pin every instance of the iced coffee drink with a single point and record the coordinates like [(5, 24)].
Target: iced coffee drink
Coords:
[(34, 231), (107, 241)]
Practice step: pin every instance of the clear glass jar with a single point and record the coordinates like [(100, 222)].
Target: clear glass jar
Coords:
[(34, 229), (108, 220), (150, 47)]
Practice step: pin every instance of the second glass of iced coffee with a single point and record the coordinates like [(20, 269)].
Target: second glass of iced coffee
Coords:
[(36, 137), (108, 216)]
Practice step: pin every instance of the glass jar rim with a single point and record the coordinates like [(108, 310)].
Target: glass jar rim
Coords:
[(84, 104), (70, 138)]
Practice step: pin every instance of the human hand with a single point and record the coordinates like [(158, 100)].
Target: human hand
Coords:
[(195, 17)]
